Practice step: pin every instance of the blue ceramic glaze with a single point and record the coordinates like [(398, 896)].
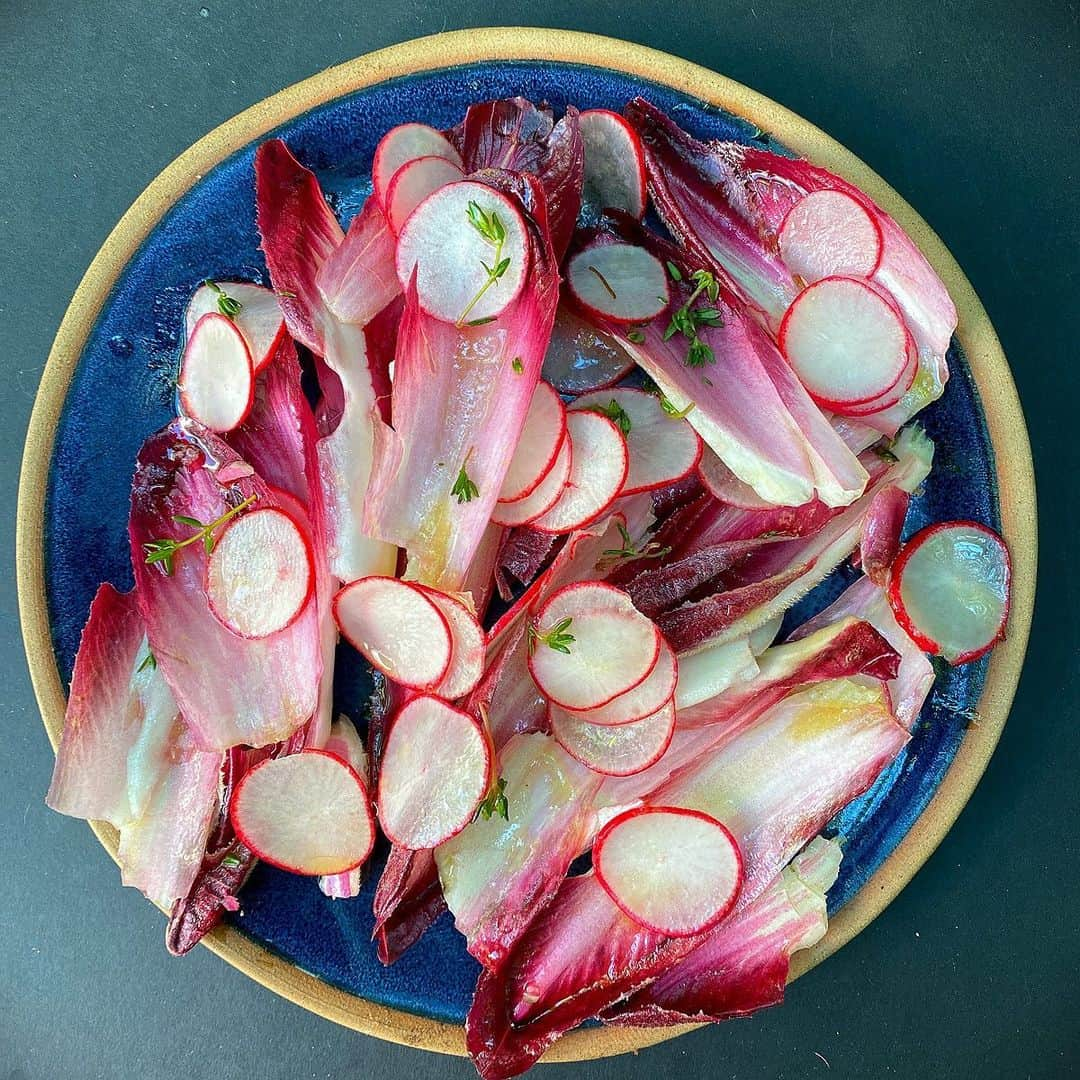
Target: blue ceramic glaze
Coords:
[(122, 391)]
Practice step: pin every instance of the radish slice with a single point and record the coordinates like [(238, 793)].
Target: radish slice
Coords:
[(469, 645), (614, 164), (547, 493), (216, 384), (675, 871), (308, 813), (580, 358), (615, 751), (402, 144), (260, 575), (413, 183), (845, 341), (827, 233), (259, 319), (589, 644), (448, 252), (721, 483), (662, 448), (397, 628), (436, 769), (621, 282), (647, 698), (950, 589), (599, 463), (539, 445), (893, 396)]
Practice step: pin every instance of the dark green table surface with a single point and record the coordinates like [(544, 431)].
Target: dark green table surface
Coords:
[(967, 109)]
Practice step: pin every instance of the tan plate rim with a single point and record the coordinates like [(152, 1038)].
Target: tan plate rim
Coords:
[(997, 392)]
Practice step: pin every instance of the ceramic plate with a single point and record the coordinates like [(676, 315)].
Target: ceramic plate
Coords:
[(108, 384)]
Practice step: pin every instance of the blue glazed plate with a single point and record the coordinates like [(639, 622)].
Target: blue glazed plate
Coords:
[(121, 358)]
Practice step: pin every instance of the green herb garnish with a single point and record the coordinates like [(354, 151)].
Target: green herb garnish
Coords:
[(614, 412), (688, 319), (149, 661), (464, 490), (636, 336), (491, 229), (228, 305), (495, 803), (630, 550), (556, 638), (676, 414), (164, 551), (517, 365)]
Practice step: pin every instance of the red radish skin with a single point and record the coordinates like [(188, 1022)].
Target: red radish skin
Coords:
[(469, 645), (846, 342), (641, 853), (397, 628), (260, 319), (261, 573), (435, 772), (401, 145), (722, 484), (599, 463), (614, 646), (286, 809), (216, 383), (580, 358), (662, 449), (547, 493), (614, 164), (828, 233), (615, 751), (647, 698), (618, 282), (448, 253), (413, 183), (539, 445), (990, 591), (891, 397)]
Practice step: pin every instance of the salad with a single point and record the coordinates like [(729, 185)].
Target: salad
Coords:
[(595, 404)]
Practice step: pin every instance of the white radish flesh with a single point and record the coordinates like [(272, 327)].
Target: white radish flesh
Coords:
[(662, 448), (397, 628), (615, 751), (892, 396), (435, 771), (216, 384), (580, 358), (620, 282), (260, 574), (827, 233), (950, 589), (845, 341), (614, 164), (546, 494), (599, 463), (613, 647), (402, 144), (308, 813), (469, 646), (675, 871), (648, 697), (413, 183), (449, 253), (721, 483), (538, 446), (259, 318)]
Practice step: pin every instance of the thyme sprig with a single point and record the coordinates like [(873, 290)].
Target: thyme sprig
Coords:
[(630, 550), (164, 551), (556, 638), (228, 305), (614, 412), (488, 225), (688, 319), (495, 803)]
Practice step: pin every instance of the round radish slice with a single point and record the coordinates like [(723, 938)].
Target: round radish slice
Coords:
[(662, 448), (598, 466), (539, 445), (397, 628), (614, 164), (827, 233), (675, 871), (950, 589), (450, 238), (589, 644), (413, 183), (615, 751), (259, 318), (546, 494), (845, 341), (580, 358), (403, 144), (648, 697), (308, 813), (435, 771), (469, 645), (621, 282), (216, 384), (892, 396), (260, 575), (721, 483)]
